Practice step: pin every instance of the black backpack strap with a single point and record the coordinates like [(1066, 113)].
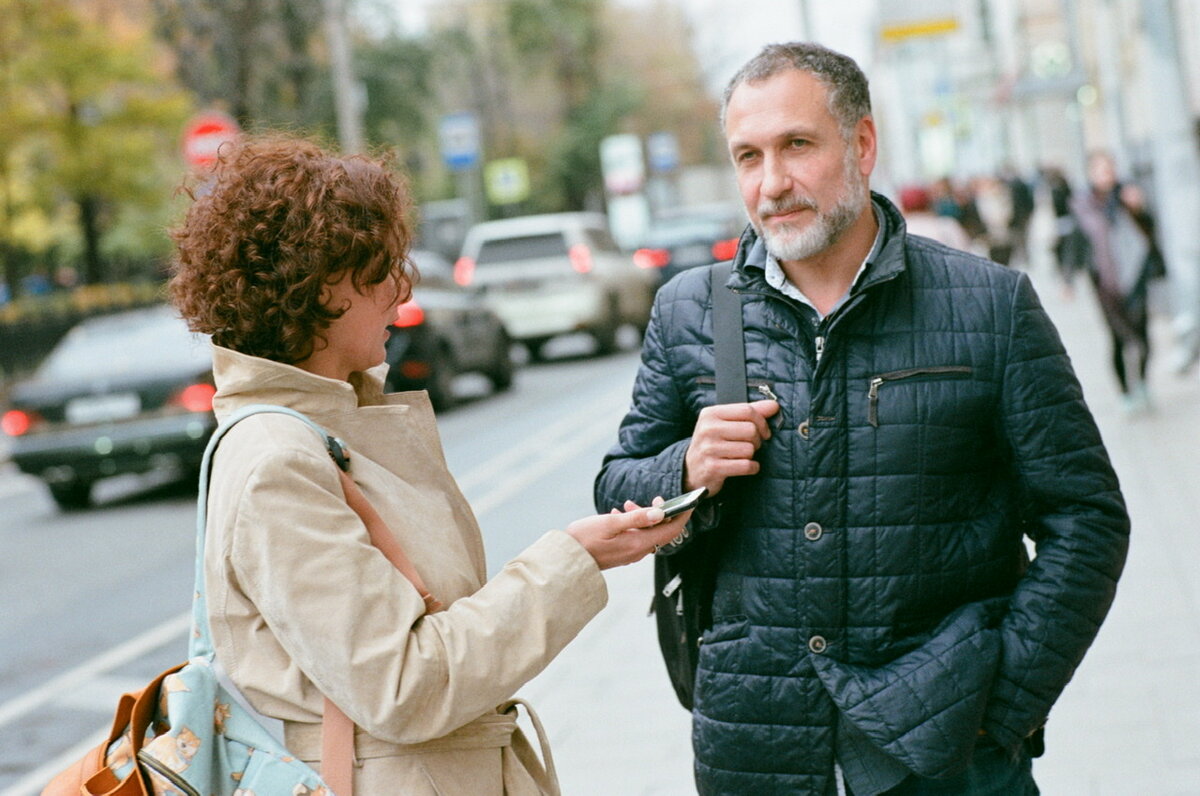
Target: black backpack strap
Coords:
[(729, 348)]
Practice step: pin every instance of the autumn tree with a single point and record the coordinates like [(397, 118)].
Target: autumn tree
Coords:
[(99, 124)]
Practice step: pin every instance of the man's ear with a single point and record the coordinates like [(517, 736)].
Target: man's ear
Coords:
[(867, 144)]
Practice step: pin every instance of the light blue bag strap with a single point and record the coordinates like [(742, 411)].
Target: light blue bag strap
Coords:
[(200, 640)]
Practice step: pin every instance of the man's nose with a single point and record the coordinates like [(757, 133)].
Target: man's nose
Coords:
[(775, 181)]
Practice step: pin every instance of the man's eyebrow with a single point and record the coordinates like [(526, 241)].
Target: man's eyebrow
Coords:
[(798, 132)]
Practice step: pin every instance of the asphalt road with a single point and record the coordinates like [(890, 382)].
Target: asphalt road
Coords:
[(96, 602)]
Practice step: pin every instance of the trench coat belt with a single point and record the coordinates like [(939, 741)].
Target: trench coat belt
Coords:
[(489, 731)]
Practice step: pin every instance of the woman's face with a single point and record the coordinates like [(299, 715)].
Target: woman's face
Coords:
[(357, 340)]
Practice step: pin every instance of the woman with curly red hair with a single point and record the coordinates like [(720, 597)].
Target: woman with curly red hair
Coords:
[(294, 260)]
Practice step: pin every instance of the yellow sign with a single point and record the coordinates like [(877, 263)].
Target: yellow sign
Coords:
[(506, 181), (899, 31)]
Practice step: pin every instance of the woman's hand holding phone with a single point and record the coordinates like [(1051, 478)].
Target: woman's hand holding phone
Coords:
[(623, 537)]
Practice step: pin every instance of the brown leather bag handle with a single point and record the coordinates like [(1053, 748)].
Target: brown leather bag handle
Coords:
[(337, 730)]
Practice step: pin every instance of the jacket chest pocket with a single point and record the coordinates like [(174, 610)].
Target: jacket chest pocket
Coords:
[(883, 386)]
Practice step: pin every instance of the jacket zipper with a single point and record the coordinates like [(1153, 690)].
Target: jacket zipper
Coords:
[(763, 388), (896, 375), (161, 769), (822, 337)]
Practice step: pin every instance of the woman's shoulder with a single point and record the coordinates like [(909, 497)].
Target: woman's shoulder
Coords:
[(270, 443)]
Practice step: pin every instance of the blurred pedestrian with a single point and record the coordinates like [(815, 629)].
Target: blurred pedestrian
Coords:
[(1069, 247), (1122, 258), (957, 200), (995, 202), (917, 207), (294, 260), (876, 623), (1022, 202)]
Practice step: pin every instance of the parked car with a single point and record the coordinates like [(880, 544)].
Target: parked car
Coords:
[(446, 329), (687, 237), (553, 274), (124, 393)]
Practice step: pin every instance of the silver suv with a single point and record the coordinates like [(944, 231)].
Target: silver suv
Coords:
[(553, 274)]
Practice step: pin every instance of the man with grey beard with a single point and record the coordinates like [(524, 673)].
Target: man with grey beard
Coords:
[(877, 624)]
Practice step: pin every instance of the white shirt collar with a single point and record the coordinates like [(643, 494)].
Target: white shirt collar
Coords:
[(777, 278)]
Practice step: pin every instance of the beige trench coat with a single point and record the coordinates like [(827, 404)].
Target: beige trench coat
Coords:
[(302, 606)]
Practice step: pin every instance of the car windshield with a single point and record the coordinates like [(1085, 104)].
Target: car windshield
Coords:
[(141, 342), (525, 247)]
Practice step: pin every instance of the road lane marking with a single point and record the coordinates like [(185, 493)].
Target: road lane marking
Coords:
[(32, 783), (100, 693), (553, 455), (83, 674), (531, 446)]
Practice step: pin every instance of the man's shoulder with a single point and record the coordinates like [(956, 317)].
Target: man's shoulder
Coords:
[(692, 284), (935, 265)]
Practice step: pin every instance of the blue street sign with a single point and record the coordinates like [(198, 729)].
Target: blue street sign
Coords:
[(662, 150), (458, 134)]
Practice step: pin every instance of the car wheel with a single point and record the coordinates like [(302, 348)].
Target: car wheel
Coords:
[(441, 381), (72, 496), (606, 334), (501, 372)]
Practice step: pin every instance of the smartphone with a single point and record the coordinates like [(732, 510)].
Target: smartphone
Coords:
[(684, 502)]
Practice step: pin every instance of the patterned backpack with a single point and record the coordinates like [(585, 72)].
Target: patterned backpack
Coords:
[(185, 734)]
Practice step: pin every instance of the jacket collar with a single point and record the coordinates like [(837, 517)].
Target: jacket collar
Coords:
[(889, 263), (242, 380)]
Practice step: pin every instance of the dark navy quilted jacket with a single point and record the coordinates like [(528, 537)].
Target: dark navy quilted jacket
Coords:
[(876, 600)]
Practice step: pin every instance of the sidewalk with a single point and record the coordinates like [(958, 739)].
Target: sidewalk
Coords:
[(1128, 722)]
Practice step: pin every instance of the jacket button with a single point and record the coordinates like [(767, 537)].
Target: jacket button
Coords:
[(817, 644), (813, 531), (803, 429)]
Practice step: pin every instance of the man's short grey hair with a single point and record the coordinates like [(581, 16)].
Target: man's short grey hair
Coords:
[(848, 96)]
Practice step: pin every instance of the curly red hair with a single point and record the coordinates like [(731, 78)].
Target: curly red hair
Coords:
[(279, 219)]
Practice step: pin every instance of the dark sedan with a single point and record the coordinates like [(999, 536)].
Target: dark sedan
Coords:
[(687, 237), (445, 330), (119, 394)]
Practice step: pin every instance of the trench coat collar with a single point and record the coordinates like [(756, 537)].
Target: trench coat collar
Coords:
[(242, 380)]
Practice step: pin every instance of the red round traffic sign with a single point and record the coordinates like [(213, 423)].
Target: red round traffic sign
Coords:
[(204, 134)]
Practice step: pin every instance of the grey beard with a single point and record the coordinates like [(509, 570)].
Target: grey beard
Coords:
[(822, 232)]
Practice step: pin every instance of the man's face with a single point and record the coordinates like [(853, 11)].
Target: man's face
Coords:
[(803, 184)]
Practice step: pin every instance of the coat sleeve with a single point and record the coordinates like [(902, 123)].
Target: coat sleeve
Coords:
[(653, 438), (1074, 513), (355, 627)]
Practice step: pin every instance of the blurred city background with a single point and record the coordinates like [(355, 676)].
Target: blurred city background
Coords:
[(498, 108), (600, 117)]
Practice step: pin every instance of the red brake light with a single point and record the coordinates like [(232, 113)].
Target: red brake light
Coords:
[(725, 249), (415, 369), (651, 258), (464, 271), (581, 258), (14, 423), (196, 397), (409, 314)]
